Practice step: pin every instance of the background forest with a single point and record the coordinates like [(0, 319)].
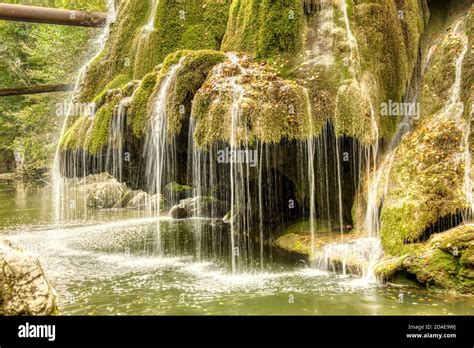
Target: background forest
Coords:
[(32, 54)]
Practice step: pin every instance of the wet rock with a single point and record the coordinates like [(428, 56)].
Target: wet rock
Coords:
[(426, 182), (347, 253), (106, 194), (102, 190), (178, 212), (444, 261), (143, 200), (198, 206), (24, 288)]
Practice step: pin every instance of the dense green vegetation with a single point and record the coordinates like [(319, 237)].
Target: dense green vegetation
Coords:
[(32, 54)]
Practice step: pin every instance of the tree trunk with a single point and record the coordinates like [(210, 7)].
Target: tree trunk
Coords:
[(5, 92), (34, 14)]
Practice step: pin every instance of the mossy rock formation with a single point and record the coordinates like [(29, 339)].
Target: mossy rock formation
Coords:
[(445, 261), (280, 33), (292, 71), (426, 183)]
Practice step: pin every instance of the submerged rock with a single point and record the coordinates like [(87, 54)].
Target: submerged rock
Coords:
[(103, 191), (198, 206), (24, 288), (105, 194), (143, 200)]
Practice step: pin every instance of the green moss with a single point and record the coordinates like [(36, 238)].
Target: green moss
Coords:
[(100, 128), (301, 228), (118, 54), (181, 25), (118, 82), (426, 182), (175, 187), (75, 137), (188, 80), (264, 27), (133, 51), (352, 115), (139, 108), (389, 33), (294, 243), (468, 74), (467, 258), (435, 268), (440, 76), (444, 261), (304, 227), (388, 268), (272, 108)]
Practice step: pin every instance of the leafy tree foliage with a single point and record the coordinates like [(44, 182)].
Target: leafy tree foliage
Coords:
[(32, 54)]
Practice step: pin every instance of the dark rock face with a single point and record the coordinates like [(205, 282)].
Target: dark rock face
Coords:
[(24, 288)]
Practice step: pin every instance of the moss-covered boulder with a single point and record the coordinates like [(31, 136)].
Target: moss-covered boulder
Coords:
[(429, 179), (133, 48), (252, 97), (426, 182), (445, 261), (265, 28), (194, 70), (347, 253)]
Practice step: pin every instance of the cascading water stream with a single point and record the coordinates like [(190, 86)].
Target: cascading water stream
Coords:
[(311, 176), (333, 251), (160, 150), (114, 159), (151, 19), (60, 189), (456, 106), (371, 151), (455, 97), (353, 44), (235, 113), (379, 184), (321, 49)]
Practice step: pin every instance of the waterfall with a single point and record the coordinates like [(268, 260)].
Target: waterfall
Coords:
[(160, 148), (114, 158), (456, 89), (328, 149), (59, 184), (351, 39), (143, 42), (356, 257), (455, 103), (321, 52), (236, 170), (311, 176), (371, 225), (151, 19)]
